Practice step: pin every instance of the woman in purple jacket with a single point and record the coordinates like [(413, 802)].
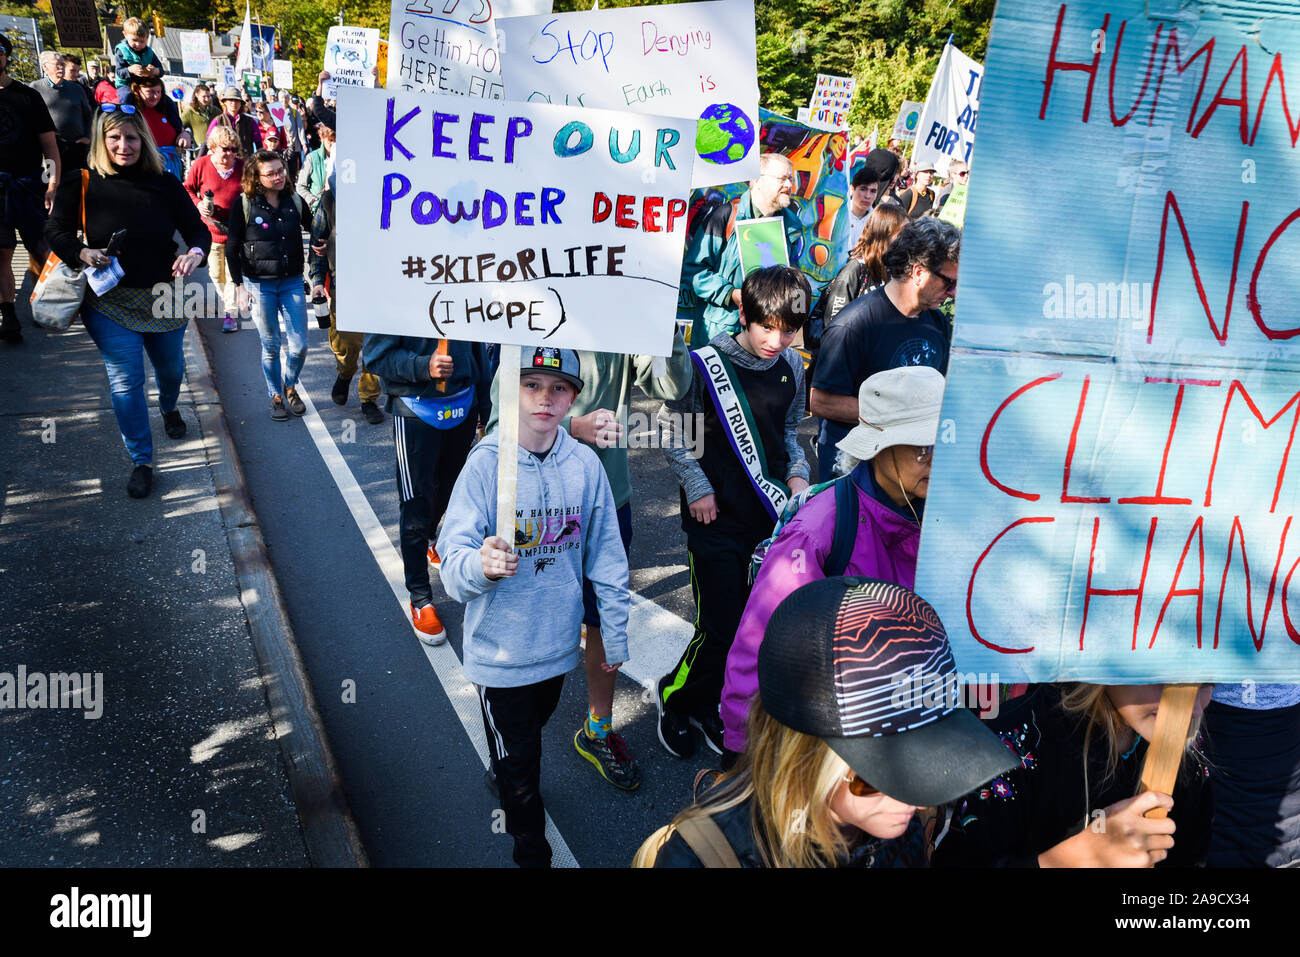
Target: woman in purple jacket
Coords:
[(889, 454)]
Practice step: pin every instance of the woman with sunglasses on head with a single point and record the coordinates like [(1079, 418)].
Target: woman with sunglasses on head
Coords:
[(127, 191), (824, 782), (868, 523), (265, 258)]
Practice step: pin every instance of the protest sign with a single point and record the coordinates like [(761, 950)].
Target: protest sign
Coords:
[(510, 222), (444, 47), (954, 207), (947, 124), (909, 117), (833, 92), (180, 88), (77, 23), (283, 74), (1110, 498), (228, 76), (761, 243), (350, 54), (253, 85), (196, 53), (688, 59), (823, 118)]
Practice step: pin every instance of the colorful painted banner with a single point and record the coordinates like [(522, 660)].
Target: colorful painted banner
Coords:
[(444, 46), (1111, 497), (686, 59), (762, 243), (351, 53), (510, 222), (909, 118), (946, 128)]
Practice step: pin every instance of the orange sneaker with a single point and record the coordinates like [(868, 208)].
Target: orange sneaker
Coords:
[(429, 625), (434, 560)]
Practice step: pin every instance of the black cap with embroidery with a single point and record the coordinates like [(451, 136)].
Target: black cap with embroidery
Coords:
[(865, 665), (557, 362)]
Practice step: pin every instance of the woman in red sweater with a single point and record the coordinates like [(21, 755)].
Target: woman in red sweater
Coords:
[(214, 183)]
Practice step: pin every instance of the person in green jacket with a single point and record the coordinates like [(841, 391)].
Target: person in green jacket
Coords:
[(598, 418), (198, 116), (711, 270)]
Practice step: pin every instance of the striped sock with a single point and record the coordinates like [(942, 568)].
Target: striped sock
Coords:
[(597, 726)]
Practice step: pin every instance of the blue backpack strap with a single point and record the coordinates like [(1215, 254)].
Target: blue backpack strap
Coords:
[(846, 527)]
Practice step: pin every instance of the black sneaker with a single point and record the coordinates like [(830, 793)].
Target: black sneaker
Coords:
[(340, 391), (141, 482), (174, 425), (10, 330), (711, 728), (278, 412), (372, 413), (674, 732), (611, 756), (294, 402)]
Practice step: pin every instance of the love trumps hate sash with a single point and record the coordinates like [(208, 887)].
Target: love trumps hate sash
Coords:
[(738, 421)]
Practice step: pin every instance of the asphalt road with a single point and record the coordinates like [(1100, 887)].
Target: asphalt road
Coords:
[(411, 772)]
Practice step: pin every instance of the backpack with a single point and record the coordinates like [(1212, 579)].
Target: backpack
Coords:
[(304, 215), (702, 836), (843, 538)]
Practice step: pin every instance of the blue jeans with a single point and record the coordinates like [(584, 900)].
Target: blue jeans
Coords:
[(273, 299), (123, 352)]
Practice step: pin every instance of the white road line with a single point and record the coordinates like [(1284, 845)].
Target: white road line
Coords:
[(460, 692), (656, 639)]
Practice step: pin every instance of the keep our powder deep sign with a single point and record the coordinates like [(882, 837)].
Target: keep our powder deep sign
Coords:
[(1115, 487), (509, 222)]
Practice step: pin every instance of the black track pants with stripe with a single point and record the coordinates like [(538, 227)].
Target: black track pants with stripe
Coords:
[(513, 719), (720, 586), (428, 462)]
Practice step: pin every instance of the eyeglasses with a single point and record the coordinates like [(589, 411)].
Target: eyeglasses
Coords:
[(224, 149), (783, 178), (949, 282), (963, 174), (859, 787), (126, 108), (924, 453)]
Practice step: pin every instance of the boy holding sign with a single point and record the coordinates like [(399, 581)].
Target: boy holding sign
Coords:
[(524, 598), (749, 388)]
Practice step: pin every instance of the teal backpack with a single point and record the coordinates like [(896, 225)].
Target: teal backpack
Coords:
[(846, 526)]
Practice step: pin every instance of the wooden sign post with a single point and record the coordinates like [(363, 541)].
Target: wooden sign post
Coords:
[(1165, 755), (507, 441)]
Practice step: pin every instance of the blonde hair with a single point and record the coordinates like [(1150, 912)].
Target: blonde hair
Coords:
[(1091, 703), (98, 158), (223, 136), (790, 778), (135, 27)]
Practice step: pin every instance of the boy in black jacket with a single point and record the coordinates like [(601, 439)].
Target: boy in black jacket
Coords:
[(750, 390), (438, 392)]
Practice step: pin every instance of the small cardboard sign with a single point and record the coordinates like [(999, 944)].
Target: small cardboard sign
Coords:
[(350, 55), (761, 243)]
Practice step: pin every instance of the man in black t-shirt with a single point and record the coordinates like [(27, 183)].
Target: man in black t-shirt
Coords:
[(26, 193), (896, 325)]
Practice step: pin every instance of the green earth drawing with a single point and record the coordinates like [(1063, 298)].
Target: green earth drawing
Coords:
[(725, 134)]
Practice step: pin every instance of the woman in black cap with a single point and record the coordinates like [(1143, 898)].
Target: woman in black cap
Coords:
[(856, 726)]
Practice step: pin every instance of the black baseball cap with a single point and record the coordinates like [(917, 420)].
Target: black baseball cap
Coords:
[(557, 362), (865, 665), (9, 47)]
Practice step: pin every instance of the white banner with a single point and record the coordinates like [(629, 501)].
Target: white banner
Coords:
[(510, 222), (824, 118), (350, 54), (694, 60), (282, 74), (833, 92), (946, 129), (444, 46), (196, 53), (909, 118)]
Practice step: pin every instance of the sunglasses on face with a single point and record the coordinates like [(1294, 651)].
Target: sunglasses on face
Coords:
[(123, 107), (859, 787), (949, 282)]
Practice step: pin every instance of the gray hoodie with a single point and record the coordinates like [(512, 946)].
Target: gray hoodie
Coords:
[(525, 629)]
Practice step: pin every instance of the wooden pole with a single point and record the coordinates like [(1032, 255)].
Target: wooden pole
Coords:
[(442, 351), (1166, 752), (507, 441)]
